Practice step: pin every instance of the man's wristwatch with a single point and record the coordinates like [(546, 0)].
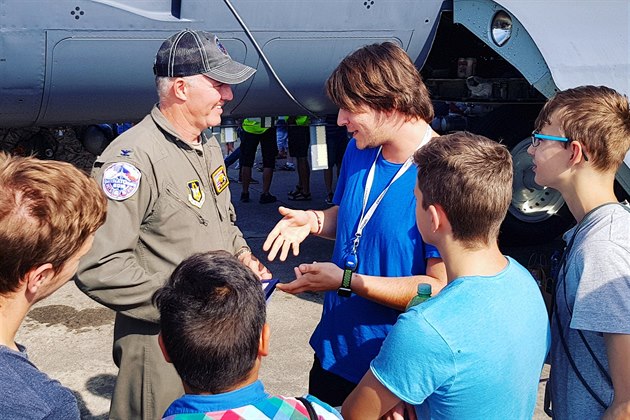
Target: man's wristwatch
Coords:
[(345, 290), (243, 250)]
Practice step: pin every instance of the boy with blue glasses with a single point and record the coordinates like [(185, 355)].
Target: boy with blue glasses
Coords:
[(590, 373)]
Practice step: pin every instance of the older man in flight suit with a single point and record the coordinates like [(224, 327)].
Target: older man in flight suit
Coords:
[(168, 198)]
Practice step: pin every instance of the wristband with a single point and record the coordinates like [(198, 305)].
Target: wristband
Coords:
[(319, 222), (345, 289)]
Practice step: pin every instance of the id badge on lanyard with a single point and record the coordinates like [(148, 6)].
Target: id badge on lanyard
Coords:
[(351, 261)]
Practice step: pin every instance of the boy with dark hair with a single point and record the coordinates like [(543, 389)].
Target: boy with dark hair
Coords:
[(476, 349), (49, 212), (213, 330), (581, 137)]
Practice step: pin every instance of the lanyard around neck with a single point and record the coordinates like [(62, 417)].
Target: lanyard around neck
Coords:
[(366, 216)]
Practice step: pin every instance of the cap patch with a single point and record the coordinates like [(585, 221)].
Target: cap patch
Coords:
[(121, 180), (220, 46)]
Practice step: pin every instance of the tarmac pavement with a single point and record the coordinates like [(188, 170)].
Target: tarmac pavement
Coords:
[(69, 336)]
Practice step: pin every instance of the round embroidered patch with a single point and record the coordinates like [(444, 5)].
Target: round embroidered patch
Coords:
[(121, 180)]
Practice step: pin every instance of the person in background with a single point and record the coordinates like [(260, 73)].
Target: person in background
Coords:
[(476, 350), (581, 138), (379, 256), (336, 143), (299, 141), (252, 134), (49, 212), (168, 197), (282, 137)]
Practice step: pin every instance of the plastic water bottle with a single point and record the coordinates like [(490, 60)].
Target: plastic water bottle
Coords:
[(424, 293)]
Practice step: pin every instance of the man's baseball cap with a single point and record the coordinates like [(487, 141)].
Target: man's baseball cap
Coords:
[(188, 53)]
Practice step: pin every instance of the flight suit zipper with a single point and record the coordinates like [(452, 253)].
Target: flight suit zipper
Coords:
[(179, 200)]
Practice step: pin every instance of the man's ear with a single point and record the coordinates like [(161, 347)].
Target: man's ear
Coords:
[(263, 346), (164, 352), (37, 276), (180, 88)]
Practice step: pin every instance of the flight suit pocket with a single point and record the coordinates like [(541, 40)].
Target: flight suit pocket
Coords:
[(179, 203)]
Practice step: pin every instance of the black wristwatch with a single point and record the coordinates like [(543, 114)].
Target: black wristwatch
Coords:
[(345, 290)]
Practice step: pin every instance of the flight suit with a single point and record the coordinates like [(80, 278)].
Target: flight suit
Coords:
[(167, 200)]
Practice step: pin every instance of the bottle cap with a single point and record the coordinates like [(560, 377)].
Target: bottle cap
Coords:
[(424, 289)]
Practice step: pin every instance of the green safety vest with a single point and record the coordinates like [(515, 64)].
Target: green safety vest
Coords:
[(302, 120), (253, 126)]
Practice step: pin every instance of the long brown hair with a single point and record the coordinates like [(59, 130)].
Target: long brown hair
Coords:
[(381, 77)]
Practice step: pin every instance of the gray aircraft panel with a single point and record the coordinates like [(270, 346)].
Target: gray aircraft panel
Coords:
[(583, 42), (88, 61)]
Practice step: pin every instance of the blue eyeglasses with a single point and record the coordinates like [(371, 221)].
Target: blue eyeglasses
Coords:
[(537, 137)]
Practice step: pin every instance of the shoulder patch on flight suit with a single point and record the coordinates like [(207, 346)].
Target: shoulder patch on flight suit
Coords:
[(220, 179), (196, 196), (121, 180)]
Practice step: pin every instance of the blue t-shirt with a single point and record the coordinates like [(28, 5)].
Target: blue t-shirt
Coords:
[(249, 402), (474, 351), (28, 393), (352, 329)]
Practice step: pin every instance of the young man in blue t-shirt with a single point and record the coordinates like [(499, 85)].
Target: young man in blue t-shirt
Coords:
[(379, 256), (49, 212), (475, 350), (213, 330)]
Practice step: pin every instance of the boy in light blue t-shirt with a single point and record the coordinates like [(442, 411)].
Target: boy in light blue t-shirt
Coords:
[(476, 349)]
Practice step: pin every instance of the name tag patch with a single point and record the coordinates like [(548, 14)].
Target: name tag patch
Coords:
[(121, 180), (220, 179)]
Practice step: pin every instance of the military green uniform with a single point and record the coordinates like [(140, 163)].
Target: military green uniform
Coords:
[(167, 200)]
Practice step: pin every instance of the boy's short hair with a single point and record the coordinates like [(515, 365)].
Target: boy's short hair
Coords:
[(596, 116), (48, 209), (212, 312), (381, 77), (470, 177)]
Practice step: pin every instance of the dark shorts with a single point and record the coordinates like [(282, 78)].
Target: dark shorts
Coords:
[(328, 387), (336, 143), (299, 140), (268, 147)]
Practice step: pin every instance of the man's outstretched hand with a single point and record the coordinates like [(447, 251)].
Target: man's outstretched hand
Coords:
[(289, 232)]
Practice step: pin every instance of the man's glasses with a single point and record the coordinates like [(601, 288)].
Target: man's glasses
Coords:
[(537, 137)]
